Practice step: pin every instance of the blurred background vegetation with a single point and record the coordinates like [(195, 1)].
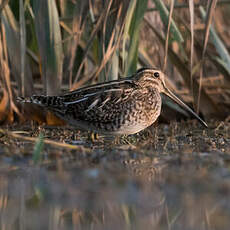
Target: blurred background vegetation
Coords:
[(49, 46)]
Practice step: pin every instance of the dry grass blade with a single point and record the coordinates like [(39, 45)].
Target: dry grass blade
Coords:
[(128, 20), (49, 43), (115, 22), (46, 141), (164, 14), (79, 19), (191, 11), (134, 31), (5, 107), (220, 47), (196, 5), (113, 41), (109, 52), (3, 4), (103, 41), (113, 44), (113, 70), (219, 63), (222, 68), (22, 44), (8, 102), (104, 28), (209, 17), (89, 44), (208, 106), (14, 51), (167, 35), (208, 24)]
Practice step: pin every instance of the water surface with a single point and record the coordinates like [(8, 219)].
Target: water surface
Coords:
[(175, 177)]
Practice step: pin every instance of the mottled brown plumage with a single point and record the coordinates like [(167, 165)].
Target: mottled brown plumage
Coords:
[(117, 107)]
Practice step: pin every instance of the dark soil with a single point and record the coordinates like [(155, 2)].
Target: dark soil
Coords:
[(167, 177)]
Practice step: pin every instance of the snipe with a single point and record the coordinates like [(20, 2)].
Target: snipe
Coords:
[(117, 107)]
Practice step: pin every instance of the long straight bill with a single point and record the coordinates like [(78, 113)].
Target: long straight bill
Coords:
[(177, 100)]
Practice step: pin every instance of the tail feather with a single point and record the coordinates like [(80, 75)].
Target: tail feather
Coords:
[(38, 100), (41, 100), (24, 99)]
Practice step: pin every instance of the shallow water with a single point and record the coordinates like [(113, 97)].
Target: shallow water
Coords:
[(177, 177)]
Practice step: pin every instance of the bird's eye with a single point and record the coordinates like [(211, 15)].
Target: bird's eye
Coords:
[(156, 75)]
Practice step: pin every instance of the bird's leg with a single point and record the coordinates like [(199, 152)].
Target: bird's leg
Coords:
[(129, 139), (92, 136)]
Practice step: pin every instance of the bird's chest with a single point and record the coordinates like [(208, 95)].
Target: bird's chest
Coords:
[(152, 104), (143, 109), (151, 107)]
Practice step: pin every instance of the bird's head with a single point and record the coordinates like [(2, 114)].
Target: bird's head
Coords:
[(151, 77)]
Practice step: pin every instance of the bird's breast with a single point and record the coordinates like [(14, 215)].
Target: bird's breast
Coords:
[(138, 114)]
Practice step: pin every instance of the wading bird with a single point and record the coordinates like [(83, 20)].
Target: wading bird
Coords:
[(117, 107)]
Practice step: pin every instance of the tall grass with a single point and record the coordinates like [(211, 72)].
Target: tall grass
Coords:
[(47, 46)]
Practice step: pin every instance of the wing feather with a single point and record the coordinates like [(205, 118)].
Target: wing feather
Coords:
[(102, 101)]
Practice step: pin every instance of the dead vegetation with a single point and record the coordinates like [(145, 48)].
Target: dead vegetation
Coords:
[(50, 46)]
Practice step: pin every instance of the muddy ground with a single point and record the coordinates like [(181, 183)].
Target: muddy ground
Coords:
[(173, 176)]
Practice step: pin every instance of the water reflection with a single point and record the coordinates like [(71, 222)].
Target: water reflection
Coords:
[(154, 193)]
